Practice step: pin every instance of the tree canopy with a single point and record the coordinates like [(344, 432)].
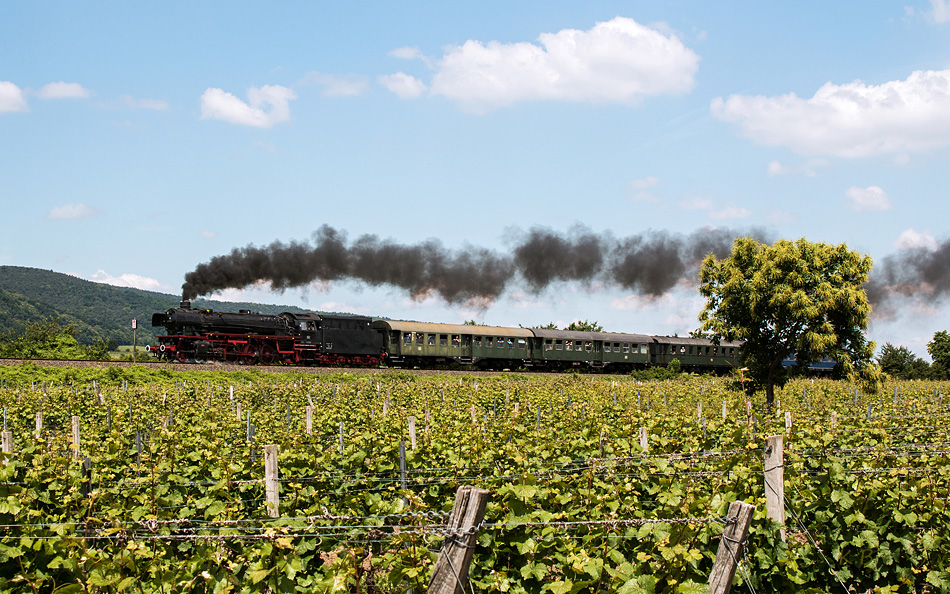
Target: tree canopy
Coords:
[(939, 349), (900, 362), (577, 326), (793, 298), (49, 339)]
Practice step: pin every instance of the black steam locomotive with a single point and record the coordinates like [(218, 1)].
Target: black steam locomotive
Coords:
[(311, 339), (250, 338)]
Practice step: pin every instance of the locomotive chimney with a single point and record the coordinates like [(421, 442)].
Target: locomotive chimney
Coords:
[(185, 304)]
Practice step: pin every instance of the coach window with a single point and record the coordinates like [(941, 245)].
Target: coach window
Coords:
[(407, 338), (443, 340), (420, 338), (478, 342), (606, 347), (456, 341), (500, 343), (626, 347), (588, 346), (548, 345), (431, 340), (558, 345), (522, 344), (489, 342), (643, 349)]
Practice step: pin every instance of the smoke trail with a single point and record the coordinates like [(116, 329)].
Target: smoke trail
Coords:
[(649, 263), (912, 273)]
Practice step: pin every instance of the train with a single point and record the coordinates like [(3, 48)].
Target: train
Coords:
[(250, 338)]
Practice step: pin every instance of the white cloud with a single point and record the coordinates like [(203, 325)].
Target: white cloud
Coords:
[(940, 11), (208, 234), (618, 61), (406, 53), (350, 85), (403, 85), (849, 120), (411, 53), (911, 239), (638, 189), (62, 90), (134, 281), (869, 198), (11, 97), (219, 105), (697, 203), (73, 211), (644, 183), (731, 211), (808, 169)]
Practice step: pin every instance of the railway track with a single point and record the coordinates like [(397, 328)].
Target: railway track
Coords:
[(217, 366)]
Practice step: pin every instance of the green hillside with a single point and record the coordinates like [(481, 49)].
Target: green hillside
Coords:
[(96, 310)]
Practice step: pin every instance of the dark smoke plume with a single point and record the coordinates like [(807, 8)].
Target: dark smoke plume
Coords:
[(913, 273), (649, 263)]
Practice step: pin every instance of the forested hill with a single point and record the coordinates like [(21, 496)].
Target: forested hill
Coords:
[(96, 310)]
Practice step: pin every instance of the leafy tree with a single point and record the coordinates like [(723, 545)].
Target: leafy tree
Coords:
[(50, 339), (939, 349), (472, 323), (585, 326), (549, 326), (792, 298), (900, 362)]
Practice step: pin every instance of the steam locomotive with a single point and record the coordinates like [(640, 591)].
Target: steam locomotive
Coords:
[(319, 339)]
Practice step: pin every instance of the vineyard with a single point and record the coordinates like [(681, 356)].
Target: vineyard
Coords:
[(135, 480)]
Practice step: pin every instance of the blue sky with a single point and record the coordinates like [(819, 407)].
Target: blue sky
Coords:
[(139, 141)]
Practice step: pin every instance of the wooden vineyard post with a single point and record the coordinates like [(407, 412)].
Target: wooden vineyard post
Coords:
[(309, 419), (644, 443), (270, 479), (7, 444), (775, 480), (412, 432), (451, 569), (39, 423), (75, 443), (727, 557)]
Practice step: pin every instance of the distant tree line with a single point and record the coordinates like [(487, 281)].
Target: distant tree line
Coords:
[(899, 362), (50, 339)]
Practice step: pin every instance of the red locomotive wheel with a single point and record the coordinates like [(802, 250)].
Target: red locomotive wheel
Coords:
[(268, 355)]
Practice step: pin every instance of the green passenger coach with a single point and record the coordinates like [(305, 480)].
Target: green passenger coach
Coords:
[(564, 348), (418, 343)]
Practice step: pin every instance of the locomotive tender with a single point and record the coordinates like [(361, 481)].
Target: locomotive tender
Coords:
[(319, 339)]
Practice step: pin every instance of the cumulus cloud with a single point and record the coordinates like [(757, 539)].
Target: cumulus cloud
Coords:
[(912, 240), (618, 61), (11, 97), (62, 90), (869, 198), (208, 234), (850, 120), (134, 281), (265, 106), (350, 85), (73, 211), (404, 85)]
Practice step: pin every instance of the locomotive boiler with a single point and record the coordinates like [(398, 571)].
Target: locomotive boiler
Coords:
[(250, 338)]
